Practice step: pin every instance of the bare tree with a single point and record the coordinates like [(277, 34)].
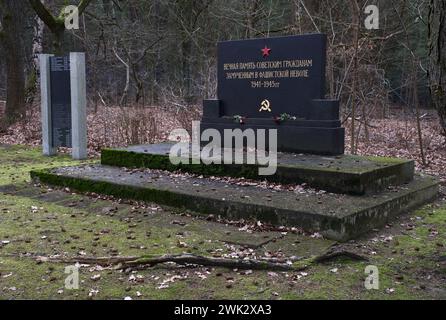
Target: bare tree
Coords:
[(413, 82), (55, 24), (252, 16), (437, 55), (354, 7), (11, 25)]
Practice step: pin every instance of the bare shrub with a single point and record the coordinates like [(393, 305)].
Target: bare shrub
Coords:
[(137, 126), (185, 116), (117, 126)]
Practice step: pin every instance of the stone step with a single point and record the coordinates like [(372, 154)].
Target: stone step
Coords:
[(336, 216), (348, 174)]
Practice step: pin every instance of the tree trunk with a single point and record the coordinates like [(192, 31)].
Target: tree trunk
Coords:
[(32, 81), (55, 24), (437, 55), (12, 16), (186, 50), (354, 7)]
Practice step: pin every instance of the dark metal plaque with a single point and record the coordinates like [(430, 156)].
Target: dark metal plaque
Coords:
[(60, 101)]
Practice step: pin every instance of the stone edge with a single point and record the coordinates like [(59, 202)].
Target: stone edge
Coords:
[(343, 182), (341, 229)]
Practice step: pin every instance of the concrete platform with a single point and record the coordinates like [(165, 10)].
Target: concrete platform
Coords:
[(340, 174), (338, 217)]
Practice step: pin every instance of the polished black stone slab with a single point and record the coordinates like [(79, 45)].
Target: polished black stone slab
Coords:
[(261, 80), (60, 101), (288, 72)]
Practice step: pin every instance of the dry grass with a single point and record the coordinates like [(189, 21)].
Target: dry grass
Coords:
[(396, 136)]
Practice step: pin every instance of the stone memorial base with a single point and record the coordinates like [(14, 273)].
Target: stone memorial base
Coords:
[(367, 191), (339, 174), (316, 137), (317, 131)]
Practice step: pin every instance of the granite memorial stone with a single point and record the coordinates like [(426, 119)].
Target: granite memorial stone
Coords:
[(277, 83)]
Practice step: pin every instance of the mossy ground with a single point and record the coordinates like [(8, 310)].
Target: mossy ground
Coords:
[(410, 254)]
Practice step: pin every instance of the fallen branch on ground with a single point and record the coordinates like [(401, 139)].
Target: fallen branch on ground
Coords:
[(189, 259), (181, 259)]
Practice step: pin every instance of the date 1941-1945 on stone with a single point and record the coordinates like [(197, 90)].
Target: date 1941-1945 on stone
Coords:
[(265, 84)]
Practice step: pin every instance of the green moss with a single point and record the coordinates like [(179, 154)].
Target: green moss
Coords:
[(120, 191), (353, 179), (165, 197), (16, 162), (127, 159), (386, 160)]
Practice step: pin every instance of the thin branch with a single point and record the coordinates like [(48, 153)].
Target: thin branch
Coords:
[(309, 15), (83, 5)]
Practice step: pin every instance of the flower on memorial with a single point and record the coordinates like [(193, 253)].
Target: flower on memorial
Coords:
[(283, 117), (239, 119)]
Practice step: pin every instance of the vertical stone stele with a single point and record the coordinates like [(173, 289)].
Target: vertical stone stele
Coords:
[(45, 102), (78, 105)]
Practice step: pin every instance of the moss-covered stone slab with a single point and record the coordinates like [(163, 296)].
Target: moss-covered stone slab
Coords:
[(338, 217), (340, 174)]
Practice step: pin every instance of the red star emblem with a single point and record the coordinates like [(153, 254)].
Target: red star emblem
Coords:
[(266, 51)]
